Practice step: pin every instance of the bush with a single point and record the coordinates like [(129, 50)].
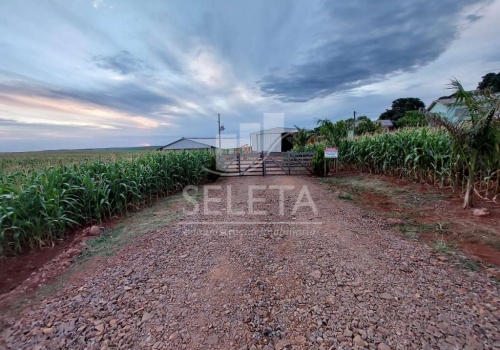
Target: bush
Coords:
[(213, 174), (318, 163)]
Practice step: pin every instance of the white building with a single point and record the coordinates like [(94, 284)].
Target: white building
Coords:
[(272, 140), (205, 144), (446, 107)]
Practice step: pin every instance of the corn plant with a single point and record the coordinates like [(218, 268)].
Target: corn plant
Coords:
[(418, 154), (40, 206), (472, 133)]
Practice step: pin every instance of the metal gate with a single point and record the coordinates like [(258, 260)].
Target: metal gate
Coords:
[(262, 164)]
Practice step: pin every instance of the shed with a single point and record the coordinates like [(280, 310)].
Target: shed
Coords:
[(278, 139), (386, 123), (205, 144)]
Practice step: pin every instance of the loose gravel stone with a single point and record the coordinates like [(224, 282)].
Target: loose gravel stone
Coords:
[(386, 296), (383, 346)]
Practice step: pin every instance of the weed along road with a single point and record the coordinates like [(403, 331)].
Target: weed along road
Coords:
[(273, 262)]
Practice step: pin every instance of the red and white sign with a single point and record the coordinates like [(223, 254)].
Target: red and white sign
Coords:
[(332, 152)]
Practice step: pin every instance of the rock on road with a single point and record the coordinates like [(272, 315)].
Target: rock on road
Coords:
[(335, 279)]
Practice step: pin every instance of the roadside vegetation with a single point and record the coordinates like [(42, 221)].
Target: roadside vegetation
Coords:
[(463, 153), (475, 135), (38, 207)]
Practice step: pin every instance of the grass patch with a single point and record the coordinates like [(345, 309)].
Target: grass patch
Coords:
[(493, 243), (441, 246), (413, 235), (441, 228), (47, 289), (468, 264), (137, 224), (345, 196), (436, 227)]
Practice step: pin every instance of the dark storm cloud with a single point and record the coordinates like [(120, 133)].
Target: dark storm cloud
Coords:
[(367, 42), (128, 98), (123, 63)]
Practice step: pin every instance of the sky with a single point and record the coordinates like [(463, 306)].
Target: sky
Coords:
[(126, 73)]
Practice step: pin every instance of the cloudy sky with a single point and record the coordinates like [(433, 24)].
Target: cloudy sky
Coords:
[(105, 73)]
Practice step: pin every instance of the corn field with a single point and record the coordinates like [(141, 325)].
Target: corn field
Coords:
[(10, 162), (421, 154), (40, 206)]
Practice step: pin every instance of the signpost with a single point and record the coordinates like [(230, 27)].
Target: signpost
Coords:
[(331, 153)]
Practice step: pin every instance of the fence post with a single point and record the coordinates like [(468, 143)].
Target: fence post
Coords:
[(239, 164), (263, 164), (288, 161)]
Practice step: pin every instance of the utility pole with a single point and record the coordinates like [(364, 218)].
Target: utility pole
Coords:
[(354, 124), (218, 121)]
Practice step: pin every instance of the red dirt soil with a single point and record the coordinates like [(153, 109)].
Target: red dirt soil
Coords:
[(16, 269), (446, 209)]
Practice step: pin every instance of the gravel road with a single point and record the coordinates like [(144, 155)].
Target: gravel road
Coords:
[(335, 279)]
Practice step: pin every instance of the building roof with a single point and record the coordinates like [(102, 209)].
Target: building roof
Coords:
[(386, 123), (447, 101), (451, 101), (226, 143), (443, 101), (383, 123), (277, 130), (358, 122)]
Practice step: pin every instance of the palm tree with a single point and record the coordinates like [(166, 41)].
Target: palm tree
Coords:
[(301, 137), (332, 132), (472, 132)]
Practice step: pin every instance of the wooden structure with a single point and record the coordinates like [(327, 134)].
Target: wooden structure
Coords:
[(262, 164)]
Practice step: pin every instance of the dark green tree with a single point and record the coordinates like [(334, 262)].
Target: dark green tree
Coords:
[(412, 119), (490, 81), (400, 107), (387, 115), (366, 126)]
